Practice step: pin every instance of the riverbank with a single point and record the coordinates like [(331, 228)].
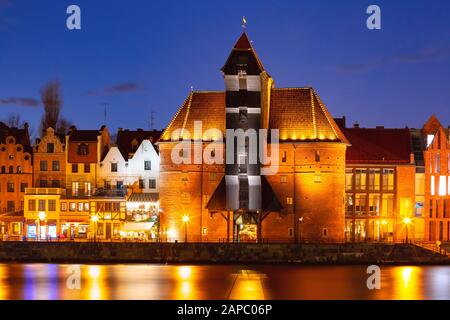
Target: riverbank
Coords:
[(215, 253)]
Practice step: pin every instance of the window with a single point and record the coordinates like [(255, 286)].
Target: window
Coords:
[(205, 231), (291, 232), (80, 206), (50, 147), (374, 179), (212, 176), (23, 186), (63, 206), (87, 188), (348, 179), (388, 179), (41, 205), (73, 206), (43, 183), (374, 204), (11, 207), (11, 169), (360, 204), (113, 167), (75, 189), (86, 206), (243, 115), (387, 205), (19, 169), (317, 178), (56, 165), (74, 168), (31, 205), (147, 165), (51, 205), (317, 156), (83, 149), (325, 232), (141, 184), (56, 184), (43, 166), (433, 185), (349, 205), (87, 168), (283, 179), (10, 187), (289, 200), (152, 183), (119, 185), (360, 179), (107, 184), (284, 157), (437, 163)]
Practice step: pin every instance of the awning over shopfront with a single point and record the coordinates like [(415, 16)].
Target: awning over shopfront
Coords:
[(143, 197), (138, 226), (12, 217)]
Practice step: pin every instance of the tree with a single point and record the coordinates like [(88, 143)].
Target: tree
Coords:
[(14, 120), (63, 126), (52, 100)]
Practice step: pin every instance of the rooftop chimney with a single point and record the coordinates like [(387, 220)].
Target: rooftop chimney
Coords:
[(356, 125)]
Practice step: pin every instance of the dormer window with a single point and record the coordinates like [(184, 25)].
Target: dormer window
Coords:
[(83, 149), (50, 147)]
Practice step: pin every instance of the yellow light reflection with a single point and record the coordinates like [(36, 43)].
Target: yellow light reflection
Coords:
[(3, 287), (97, 289), (407, 283), (185, 289), (248, 286)]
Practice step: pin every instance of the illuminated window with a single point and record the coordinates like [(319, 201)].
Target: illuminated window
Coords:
[(73, 206), (283, 179), (360, 204), (437, 163), (433, 185), (289, 200), (349, 204), (80, 207), (317, 178), (205, 231), (348, 179), (86, 206), (430, 139), (360, 179), (374, 204), (87, 188), (317, 156), (442, 185), (63, 206), (387, 205), (212, 176), (388, 179), (374, 179)]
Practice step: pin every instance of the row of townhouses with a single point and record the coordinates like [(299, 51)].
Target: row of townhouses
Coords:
[(79, 185), (334, 183)]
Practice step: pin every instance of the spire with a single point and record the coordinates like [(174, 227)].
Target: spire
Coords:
[(243, 43), (242, 47)]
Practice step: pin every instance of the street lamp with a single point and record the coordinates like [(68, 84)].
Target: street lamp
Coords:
[(407, 222), (95, 220), (186, 221)]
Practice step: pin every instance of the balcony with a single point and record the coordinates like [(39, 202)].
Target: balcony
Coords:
[(45, 191)]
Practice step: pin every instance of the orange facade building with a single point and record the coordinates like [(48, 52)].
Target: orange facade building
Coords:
[(15, 176)]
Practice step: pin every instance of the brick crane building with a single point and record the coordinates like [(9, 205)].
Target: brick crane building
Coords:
[(303, 200)]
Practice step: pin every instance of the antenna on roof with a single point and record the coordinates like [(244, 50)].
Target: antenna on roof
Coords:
[(105, 105), (152, 120), (244, 23), (192, 88)]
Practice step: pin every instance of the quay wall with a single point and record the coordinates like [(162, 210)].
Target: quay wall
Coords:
[(223, 253)]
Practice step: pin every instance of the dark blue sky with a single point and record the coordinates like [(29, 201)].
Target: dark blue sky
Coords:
[(139, 56)]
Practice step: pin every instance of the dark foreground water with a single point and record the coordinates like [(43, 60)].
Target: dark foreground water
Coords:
[(57, 281)]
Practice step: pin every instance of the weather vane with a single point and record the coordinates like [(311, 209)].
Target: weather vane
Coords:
[(244, 23)]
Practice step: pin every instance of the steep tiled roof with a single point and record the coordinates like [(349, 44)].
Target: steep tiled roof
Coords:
[(125, 140), (244, 44), (298, 113), (84, 135), (207, 106), (378, 145)]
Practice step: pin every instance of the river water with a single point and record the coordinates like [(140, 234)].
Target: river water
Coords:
[(142, 281)]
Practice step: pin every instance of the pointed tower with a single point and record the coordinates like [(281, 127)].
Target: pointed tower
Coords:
[(242, 72)]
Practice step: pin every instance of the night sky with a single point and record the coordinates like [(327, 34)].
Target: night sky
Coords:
[(138, 56)]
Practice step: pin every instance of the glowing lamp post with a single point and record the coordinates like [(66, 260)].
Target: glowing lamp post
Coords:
[(407, 221), (94, 219), (186, 221)]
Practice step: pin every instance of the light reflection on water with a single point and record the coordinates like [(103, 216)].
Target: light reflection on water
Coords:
[(122, 282)]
